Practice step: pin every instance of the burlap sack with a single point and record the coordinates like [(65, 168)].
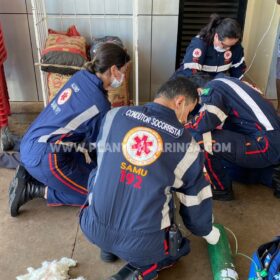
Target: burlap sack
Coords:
[(120, 96), (55, 83)]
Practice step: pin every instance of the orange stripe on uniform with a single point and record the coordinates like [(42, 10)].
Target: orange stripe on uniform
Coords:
[(65, 177)]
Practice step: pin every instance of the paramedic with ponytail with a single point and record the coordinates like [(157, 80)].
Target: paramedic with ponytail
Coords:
[(55, 151), (215, 49)]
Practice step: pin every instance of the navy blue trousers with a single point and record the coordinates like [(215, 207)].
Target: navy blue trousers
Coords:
[(65, 174), (11, 159), (260, 152), (150, 272)]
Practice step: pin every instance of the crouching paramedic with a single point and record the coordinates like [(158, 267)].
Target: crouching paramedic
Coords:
[(128, 210), (54, 149), (238, 125)]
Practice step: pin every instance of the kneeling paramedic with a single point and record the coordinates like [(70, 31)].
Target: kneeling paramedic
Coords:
[(128, 212), (238, 125), (55, 161)]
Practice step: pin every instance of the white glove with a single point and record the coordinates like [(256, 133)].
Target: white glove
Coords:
[(213, 237)]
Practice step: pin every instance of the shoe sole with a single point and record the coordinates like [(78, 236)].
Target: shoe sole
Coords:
[(277, 194), (109, 260), (15, 190), (223, 197)]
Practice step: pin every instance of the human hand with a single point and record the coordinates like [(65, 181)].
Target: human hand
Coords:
[(213, 237)]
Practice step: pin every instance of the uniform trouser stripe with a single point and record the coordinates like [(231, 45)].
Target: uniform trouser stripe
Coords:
[(54, 171), (61, 204), (264, 150), (151, 269), (65, 177), (211, 171)]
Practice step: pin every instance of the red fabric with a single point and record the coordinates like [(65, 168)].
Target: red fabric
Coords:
[(71, 31), (3, 52), (4, 99)]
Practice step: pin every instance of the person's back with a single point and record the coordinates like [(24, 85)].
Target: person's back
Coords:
[(244, 127), (143, 154), (69, 113), (57, 148), (246, 111)]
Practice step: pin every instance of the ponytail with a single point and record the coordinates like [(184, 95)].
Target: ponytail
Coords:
[(207, 33), (225, 28), (107, 55)]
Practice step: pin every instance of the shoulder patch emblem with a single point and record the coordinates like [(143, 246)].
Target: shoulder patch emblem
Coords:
[(142, 146), (197, 53), (64, 96), (205, 91), (228, 55)]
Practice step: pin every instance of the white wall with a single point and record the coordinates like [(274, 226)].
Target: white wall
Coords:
[(158, 24), (258, 16)]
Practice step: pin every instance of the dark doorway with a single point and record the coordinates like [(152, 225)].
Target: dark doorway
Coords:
[(193, 15)]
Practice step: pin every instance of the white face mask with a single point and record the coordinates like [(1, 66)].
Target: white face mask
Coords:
[(219, 49), (117, 83)]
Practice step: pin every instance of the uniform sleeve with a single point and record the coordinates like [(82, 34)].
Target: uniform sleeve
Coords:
[(194, 192), (238, 66), (212, 114), (194, 57), (94, 126)]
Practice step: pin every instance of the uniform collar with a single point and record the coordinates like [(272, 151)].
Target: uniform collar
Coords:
[(97, 81), (94, 78), (162, 109)]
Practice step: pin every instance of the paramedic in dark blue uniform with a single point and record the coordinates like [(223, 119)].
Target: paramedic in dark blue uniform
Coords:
[(216, 49), (238, 125), (54, 149), (140, 161)]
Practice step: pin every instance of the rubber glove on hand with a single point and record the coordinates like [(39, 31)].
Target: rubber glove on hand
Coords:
[(213, 237)]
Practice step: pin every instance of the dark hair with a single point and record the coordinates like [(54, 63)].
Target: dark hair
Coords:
[(107, 55), (178, 86), (225, 28), (200, 79)]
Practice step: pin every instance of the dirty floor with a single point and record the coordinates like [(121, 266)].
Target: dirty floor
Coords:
[(42, 233)]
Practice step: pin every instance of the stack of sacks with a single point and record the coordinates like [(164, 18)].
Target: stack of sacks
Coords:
[(64, 54), (55, 83), (119, 96)]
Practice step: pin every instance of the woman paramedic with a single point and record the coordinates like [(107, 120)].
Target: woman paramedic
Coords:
[(54, 151), (214, 50)]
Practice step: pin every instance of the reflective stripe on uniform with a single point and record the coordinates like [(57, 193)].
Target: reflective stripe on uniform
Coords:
[(186, 162), (207, 68), (194, 200), (73, 124), (238, 63), (214, 110), (250, 102), (193, 65), (165, 221)]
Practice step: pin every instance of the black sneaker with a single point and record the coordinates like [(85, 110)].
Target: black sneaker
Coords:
[(108, 257), (276, 181), (277, 193), (223, 195)]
